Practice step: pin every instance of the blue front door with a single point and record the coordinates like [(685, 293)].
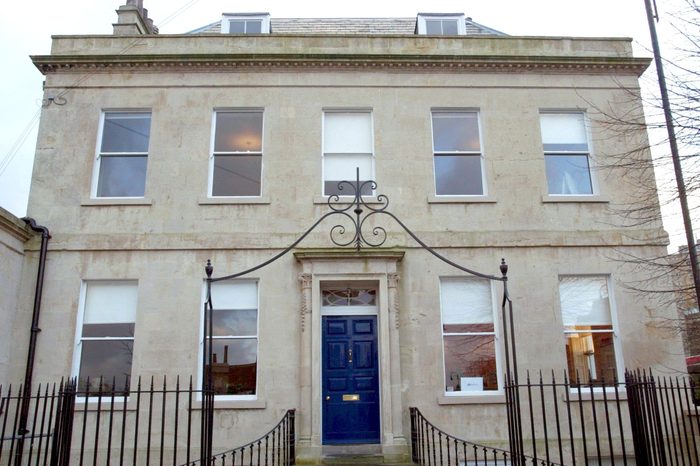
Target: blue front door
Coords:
[(350, 380)]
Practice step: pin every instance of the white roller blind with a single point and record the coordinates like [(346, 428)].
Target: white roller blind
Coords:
[(347, 133), (234, 295), (110, 302), (584, 301), (342, 167), (466, 301), (563, 128)]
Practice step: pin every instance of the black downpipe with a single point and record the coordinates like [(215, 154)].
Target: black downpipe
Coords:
[(34, 332)]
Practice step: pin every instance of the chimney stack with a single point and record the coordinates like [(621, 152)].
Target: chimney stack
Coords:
[(132, 19)]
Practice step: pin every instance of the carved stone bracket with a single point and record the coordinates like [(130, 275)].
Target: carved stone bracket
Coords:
[(305, 281), (393, 283)]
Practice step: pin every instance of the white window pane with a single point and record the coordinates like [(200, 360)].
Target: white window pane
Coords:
[(236, 26), (449, 27), (563, 131), (110, 302), (568, 174), (253, 26), (343, 167), (584, 301), (347, 133), (238, 132), (126, 132), (234, 295), (466, 301), (458, 175), (456, 132), (433, 27), (122, 176)]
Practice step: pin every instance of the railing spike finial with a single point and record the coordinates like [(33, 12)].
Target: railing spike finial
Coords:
[(209, 269), (504, 267)]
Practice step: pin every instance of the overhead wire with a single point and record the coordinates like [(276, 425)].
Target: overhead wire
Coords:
[(19, 142)]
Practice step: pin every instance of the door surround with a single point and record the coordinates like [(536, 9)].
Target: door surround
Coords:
[(379, 267)]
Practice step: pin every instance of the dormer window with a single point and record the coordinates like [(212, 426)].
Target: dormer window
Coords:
[(441, 24), (245, 23)]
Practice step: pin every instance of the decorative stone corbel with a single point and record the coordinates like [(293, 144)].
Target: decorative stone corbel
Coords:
[(393, 283), (305, 281)]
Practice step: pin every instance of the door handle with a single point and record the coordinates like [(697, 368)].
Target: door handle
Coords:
[(349, 355), (328, 397)]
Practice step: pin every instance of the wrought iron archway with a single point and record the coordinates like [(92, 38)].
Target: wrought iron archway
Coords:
[(358, 211)]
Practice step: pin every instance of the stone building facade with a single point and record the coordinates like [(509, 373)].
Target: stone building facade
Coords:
[(14, 236), (225, 144)]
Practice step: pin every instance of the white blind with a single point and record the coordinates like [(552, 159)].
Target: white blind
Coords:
[(342, 167), (584, 301), (234, 295), (563, 128), (110, 302), (347, 133), (466, 301)]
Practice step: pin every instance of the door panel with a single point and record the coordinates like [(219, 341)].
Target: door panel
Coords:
[(350, 384)]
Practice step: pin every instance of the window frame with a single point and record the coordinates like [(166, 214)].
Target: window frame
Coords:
[(226, 397), (617, 345), (80, 317), (479, 153), (496, 334), (458, 17), (213, 153), (371, 155), (554, 153), (264, 19), (97, 163)]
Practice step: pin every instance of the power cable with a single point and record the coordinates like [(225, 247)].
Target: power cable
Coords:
[(14, 150), (60, 100)]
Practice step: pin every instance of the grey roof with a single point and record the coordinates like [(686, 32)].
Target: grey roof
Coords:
[(360, 26)]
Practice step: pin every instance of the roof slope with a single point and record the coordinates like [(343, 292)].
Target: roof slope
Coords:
[(341, 26)]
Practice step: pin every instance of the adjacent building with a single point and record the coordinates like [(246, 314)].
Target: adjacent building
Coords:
[(159, 152)]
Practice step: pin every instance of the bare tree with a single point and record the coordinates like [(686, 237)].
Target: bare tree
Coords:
[(667, 276)]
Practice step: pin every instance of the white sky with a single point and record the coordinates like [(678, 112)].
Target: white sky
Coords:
[(26, 29)]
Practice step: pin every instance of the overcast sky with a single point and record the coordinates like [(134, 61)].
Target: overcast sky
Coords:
[(26, 28)]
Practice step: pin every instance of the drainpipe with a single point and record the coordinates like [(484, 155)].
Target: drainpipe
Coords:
[(34, 332)]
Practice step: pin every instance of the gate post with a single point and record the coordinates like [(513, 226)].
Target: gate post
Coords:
[(645, 419), (207, 425), (63, 427), (515, 432)]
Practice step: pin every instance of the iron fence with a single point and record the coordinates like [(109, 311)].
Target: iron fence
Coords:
[(431, 446), (276, 448), (142, 424), (642, 420), (645, 420)]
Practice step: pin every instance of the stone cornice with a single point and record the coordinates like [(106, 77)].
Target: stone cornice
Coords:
[(337, 62), (14, 226), (320, 254)]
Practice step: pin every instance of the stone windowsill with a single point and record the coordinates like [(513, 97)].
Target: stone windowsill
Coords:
[(262, 200), (461, 200), (494, 398), (116, 201), (599, 394), (233, 404), (92, 404), (546, 198)]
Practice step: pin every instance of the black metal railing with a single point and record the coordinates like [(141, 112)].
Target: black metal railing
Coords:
[(141, 424), (643, 420), (431, 446), (276, 448), (665, 419)]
